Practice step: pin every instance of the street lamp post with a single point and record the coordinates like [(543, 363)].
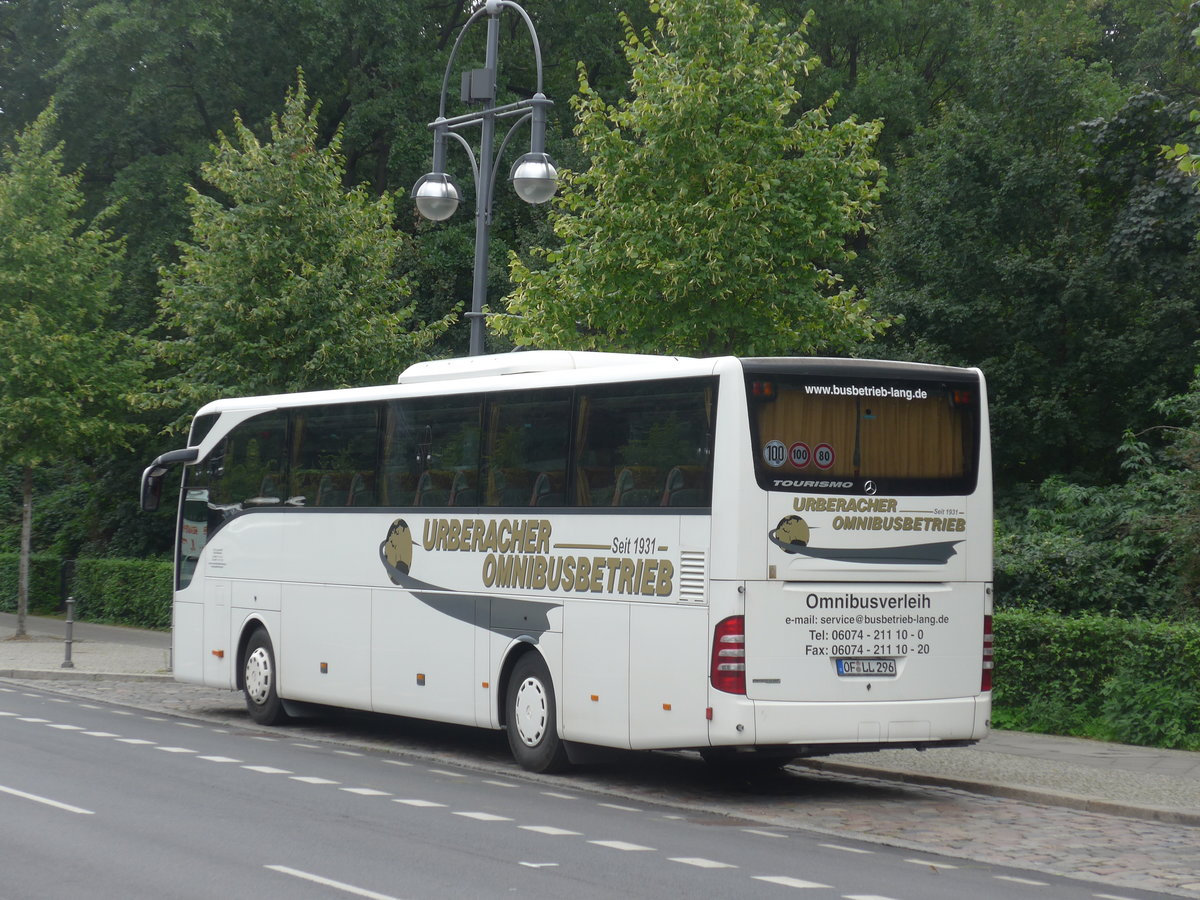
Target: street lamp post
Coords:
[(533, 176)]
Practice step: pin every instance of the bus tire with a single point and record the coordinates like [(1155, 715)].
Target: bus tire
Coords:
[(259, 680), (532, 717)]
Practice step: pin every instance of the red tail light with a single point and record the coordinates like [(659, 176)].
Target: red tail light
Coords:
[(988, 659), (729, 655)]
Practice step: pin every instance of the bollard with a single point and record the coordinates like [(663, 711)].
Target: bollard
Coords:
[(67, 664)]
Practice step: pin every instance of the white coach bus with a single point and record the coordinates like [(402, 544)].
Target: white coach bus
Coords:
[(759, 559)]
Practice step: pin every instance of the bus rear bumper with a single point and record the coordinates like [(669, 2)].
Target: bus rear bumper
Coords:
[(865, 726)]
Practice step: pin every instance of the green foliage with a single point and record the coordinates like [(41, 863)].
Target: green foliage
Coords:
[(1033, 230), (711, 219), (288, 281), (45, 582), (1098, 676), (64, 375), (135, 592)]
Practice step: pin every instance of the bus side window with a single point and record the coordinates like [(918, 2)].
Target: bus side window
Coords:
[(431, 451), (643, 445), (334, 455), (526, 448)]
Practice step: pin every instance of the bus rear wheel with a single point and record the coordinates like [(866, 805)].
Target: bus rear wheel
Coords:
[(532, 717), (259, 680)]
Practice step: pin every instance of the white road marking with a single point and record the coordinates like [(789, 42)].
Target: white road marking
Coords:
[(621, 808), (90, 706), (267, 770), (1111, 897), (421, 803), (101, 734), (620, 845), (550, 829), (329, 882), (120, 712), (174, 749), (313, 779), (366, 792), (558, 796), (221, 759), (66, 727), (445, 772), (763, 833), (347, 753), (533, 865), (787, 881), (188, 725), (847, 849), (7, 713), (33, 720), (135, 741), (1016, 880), (483, 817), (501, 784), (932, 865), (396, 762), (701, 863), (47, 801)]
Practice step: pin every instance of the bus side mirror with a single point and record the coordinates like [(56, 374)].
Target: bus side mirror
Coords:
[(152, 482), (152, 477)]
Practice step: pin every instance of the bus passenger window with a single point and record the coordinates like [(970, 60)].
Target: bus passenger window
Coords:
[(431, 451), (526, 451), (647, 444)]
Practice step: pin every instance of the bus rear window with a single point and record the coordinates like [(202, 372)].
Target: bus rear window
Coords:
[(821, 433)]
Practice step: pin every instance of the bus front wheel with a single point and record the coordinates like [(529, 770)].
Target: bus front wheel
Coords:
[(532, 717), (259, 681)]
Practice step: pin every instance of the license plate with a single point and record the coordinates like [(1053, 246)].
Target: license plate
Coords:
[(866, 667)]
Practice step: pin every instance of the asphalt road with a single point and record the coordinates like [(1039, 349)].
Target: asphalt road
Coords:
[(101, 801)]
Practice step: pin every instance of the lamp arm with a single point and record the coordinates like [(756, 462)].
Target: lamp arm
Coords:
[(470, 153), (500, 153), (479, 13)]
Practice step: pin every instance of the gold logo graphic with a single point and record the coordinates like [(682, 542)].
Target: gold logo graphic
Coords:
[(396, 551), (791, 534)]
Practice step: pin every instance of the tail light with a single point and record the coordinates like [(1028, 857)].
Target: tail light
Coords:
[(988, 659), (728, 671)]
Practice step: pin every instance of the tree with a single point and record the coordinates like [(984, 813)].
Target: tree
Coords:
[(1032, 230), (64, 375), (711, 218), (288, 281)]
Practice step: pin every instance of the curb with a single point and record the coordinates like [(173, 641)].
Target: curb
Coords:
[(76, 675), (1008, 792)]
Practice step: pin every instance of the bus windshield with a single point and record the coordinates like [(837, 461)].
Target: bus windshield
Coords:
[(894, 434)]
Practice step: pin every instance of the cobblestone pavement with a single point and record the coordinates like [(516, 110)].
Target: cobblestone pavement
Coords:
[(1114, 851)]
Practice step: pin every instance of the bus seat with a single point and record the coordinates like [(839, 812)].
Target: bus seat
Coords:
[(434, 488), (331, 491), (549, 489), (685, 487), (362, 489), (638, 486), (462, 493)]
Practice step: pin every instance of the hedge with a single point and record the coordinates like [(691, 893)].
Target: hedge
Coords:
[(45, 582), (120, 591), (1128, 680), (124, 591)]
